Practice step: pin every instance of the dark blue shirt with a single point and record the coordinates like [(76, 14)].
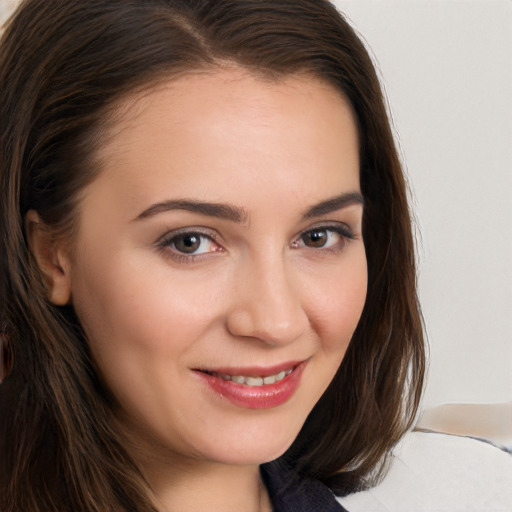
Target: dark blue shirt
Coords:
[(290, 492)]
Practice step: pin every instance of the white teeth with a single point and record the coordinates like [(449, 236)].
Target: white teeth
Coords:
[(282, 375), (254, 381), (269, 380)]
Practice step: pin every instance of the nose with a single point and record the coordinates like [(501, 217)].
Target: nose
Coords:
[(267, 304)]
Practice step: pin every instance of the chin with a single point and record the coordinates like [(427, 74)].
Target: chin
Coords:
[(251, 447), (250, 455)]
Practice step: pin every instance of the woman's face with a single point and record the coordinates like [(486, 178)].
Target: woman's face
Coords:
[(219, 270)]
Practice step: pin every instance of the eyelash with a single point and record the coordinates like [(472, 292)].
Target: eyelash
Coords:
[(168, 242), (345, 233)]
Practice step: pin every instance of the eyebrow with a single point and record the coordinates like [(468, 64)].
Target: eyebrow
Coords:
[(221, 211), (239, 215), (334, 204)]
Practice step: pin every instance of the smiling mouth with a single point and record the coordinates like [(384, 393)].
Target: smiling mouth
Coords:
[(255, 387), (252, 380)]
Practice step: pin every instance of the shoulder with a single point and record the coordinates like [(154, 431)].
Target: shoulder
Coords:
[(442, 473)]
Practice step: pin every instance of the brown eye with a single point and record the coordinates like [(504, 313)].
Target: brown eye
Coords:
[(316, 238), (325, 237), (187, 243)]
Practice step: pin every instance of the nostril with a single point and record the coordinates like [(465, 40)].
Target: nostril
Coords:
[(270, 328)]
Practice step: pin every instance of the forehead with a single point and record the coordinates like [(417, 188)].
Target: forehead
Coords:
[(213, 132)]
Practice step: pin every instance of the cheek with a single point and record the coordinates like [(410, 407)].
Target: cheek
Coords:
[(145, 322), (141, 329), (337, 306), (138, 299)]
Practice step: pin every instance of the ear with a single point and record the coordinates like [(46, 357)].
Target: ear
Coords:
[(51, 257)]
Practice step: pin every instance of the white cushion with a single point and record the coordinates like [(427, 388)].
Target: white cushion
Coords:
[(433, 472)]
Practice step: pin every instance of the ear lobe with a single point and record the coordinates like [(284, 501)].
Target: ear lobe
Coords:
[(51, 259)]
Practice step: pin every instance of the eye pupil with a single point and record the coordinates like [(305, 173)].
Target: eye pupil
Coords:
[(317, 238), (187, 243)]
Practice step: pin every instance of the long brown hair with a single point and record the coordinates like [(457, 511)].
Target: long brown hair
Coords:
[(64, 64)]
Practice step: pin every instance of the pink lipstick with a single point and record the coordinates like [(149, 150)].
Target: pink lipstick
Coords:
[(255, 387)]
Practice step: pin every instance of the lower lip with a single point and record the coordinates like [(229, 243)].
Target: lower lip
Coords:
[(256, 397)]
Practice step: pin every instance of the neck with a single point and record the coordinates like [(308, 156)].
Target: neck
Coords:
[(194, 484), (209, 486)]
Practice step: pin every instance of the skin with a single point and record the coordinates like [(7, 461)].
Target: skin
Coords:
[(258, 291)]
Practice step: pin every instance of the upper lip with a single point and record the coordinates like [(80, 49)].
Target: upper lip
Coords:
[(253, 371)]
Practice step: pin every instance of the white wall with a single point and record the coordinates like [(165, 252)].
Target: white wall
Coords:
[(447, 70), (6, 7)]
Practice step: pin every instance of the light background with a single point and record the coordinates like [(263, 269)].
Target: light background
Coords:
[(447, 69), (446, 66), (6, 7)]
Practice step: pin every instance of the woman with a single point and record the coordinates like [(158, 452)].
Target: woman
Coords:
[(208, 277)]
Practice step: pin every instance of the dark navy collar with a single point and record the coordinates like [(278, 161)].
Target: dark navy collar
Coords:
[(290, 492)]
